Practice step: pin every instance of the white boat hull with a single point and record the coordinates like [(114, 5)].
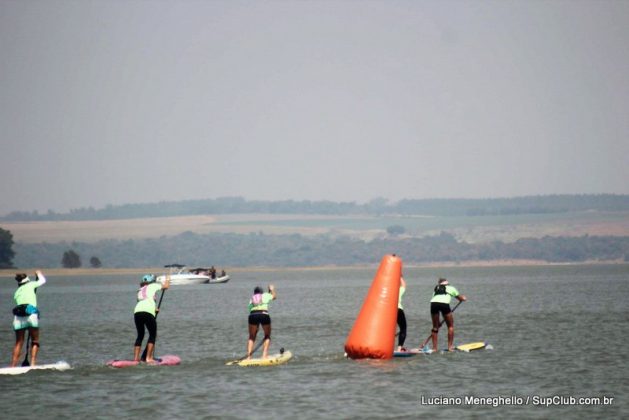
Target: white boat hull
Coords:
[(187, 278)]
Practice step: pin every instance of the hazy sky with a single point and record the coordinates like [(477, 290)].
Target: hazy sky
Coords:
[(114, 102)]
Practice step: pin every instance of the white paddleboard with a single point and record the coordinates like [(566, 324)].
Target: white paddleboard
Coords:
[(406, 353), (60, 365)]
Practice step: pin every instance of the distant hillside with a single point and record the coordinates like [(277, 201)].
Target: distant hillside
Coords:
[(378, 206)]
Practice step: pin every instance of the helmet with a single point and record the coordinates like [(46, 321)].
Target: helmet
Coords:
[(148, 278), (22, 278)]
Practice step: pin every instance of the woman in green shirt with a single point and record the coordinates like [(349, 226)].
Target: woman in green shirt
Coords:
[(26, 315), (259, 314), (144, 315), (440, 303)]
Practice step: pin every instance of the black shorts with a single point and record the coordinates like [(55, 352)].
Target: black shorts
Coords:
[(257, 318), (436, 307)]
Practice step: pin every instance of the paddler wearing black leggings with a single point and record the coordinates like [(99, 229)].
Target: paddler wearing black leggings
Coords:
[(144, 315), (401, 317)]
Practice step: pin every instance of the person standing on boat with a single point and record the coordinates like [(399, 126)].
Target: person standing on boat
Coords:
[(259, 314), (401, 317), (144, 315), (440, 303), (26, 315)]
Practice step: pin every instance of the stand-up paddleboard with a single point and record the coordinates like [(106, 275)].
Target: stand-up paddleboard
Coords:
[(407, 353), (60, 365), (463, 347), (167, 360), (479, 345), (274, 359), (472, 346)]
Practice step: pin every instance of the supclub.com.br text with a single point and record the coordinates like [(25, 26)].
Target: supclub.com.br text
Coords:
[(536, 400)]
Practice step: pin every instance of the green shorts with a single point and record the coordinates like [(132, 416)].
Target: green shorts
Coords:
[(24, 322)]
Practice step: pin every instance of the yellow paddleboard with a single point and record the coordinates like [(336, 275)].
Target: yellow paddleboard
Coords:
[(472, 346), (274, 359)]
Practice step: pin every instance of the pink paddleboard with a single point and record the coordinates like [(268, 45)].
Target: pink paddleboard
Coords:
[(166, 360)]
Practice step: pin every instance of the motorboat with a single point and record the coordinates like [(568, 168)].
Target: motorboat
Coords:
[(179, 275)]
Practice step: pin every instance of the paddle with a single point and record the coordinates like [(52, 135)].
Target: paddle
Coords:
[(143, 358), (28, 340), (440, 324), (233, 362)]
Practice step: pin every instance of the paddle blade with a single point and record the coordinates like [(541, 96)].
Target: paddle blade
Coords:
[(25, 362), (28, 345)]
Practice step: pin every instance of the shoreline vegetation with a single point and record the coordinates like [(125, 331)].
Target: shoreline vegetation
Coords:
[(69, 272), (263, 250)]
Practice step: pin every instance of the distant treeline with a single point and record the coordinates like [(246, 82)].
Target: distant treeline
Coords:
[(295, 250), (377, 206)]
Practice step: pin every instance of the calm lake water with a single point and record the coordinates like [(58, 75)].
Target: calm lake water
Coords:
[(558, 331)]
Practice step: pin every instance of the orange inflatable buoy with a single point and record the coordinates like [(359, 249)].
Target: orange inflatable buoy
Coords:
[(373, 334)]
